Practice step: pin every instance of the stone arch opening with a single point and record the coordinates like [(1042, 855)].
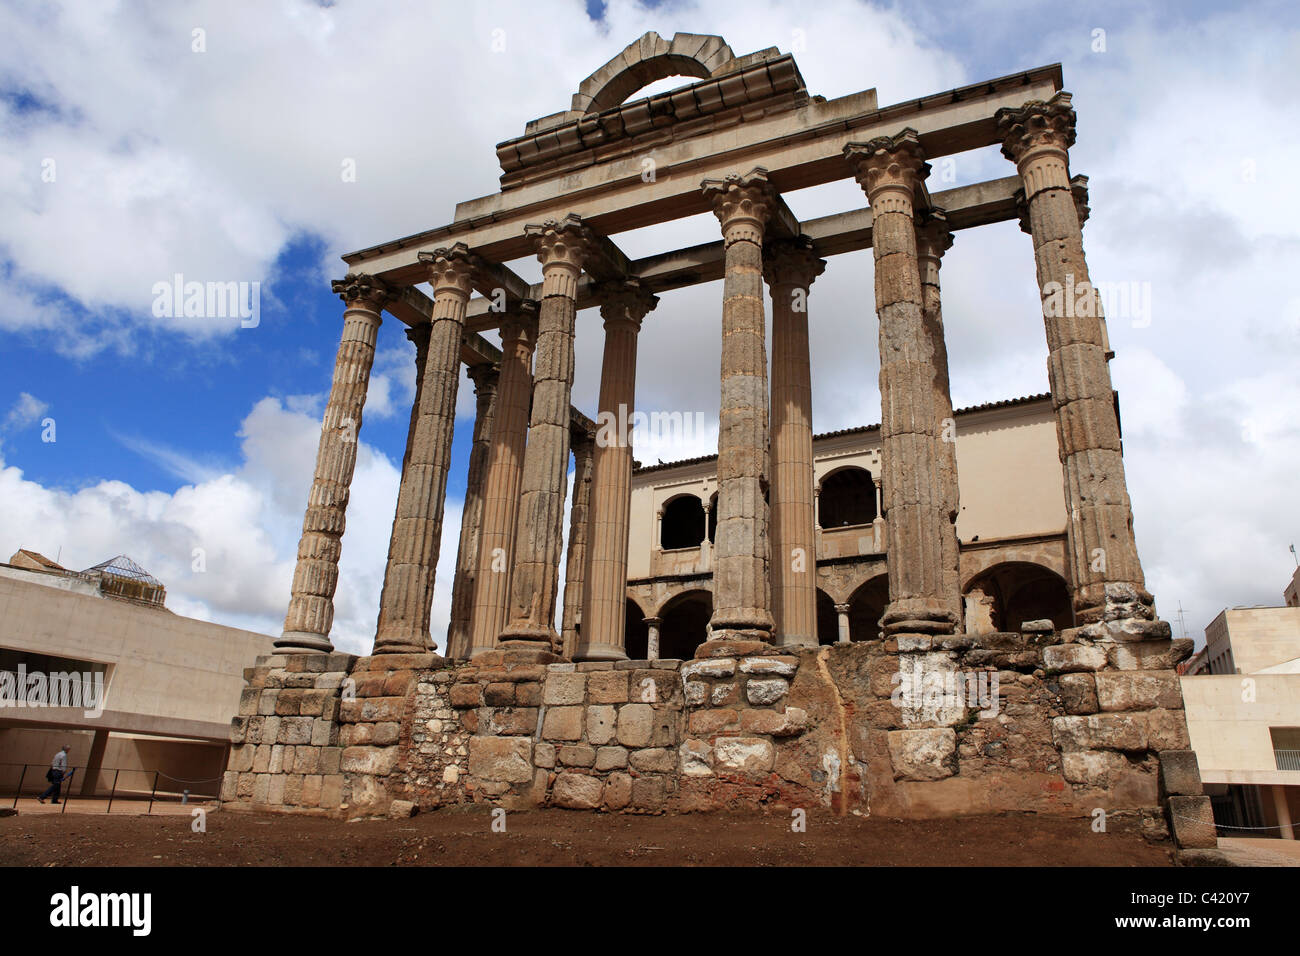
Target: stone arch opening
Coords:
[(848, 497), (636, 635), (647, 60), (682, 525), (1005, 596), (828, 621), (866, 607), (685, 624)]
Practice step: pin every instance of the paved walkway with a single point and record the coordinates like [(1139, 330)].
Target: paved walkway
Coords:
[(1260, 851), (122, 805)]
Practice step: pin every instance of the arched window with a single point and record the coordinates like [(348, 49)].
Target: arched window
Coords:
[(682, 525), (848, 497)]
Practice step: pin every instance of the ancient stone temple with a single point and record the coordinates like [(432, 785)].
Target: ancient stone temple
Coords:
[(535, 700)]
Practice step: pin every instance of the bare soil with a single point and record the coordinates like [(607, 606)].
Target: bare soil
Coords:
[(464, 837)]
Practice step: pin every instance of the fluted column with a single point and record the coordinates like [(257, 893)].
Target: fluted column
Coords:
[(485, 378), (891, 169), (790, 269), (741, 595), (623, 306), (310, 615), (505, 463), (575, 569), (407, 598), (561, 248), (933, 238), (1104, 565)]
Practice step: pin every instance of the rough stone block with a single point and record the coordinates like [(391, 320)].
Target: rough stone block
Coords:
[(618, 791), (654, 760), (466, 695), (1180, 773), (1192, 820), (612, 758), (607, 687), (375, 761), (1167, 730), (1078, 693), (562, 723), (776, 666), (1125, 732), (577, 755), (709, 668), (696, 758), (505, 759), (1138, 690), (706, 723), (562, 689), (635, 725), (1072, 658), (926, 754), (577, 791), (601, 720), (763, 691), (743, 754), (499, 695), (649, 793), (544, 755)]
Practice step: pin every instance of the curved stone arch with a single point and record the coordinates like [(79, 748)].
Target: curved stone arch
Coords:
[(647, 60), (1012, 591), (1047, 555), (831, 505), (847, 466), (673, 521)]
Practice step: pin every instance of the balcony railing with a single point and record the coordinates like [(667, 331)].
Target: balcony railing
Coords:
[(1287, 759)]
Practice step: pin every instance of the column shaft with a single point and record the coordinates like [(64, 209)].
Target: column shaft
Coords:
[(501, 484), (407, 598), (790, 270), (484, 378), (561, 247), (741, 590), (310, 615), (576, 577), (605, 606), (1103, 552), (891, 169)]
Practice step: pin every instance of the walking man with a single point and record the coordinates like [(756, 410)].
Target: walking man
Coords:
[(58, 770)]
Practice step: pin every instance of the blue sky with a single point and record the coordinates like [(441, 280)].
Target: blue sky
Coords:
[(223, 165)]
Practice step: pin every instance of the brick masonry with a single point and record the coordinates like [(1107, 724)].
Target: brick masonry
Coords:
[(912, 727)]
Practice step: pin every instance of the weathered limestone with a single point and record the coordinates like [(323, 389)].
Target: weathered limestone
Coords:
[(311, 605), (561, 247), (1037, 137), (502, 480), (407, 598), (741, 601), (652, 637), (891, 170), (485, 378), (575, 569), (933, 238), (790, 269), (624, 306)]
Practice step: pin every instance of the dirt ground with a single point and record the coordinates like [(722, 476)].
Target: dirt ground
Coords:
[(464, 837)]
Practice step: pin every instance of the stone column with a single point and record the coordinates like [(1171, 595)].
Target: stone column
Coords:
[(561, 248), (485, 378), (741, 592), (311, 604), (407, 598), (790, 269), (890, 170), (842, 619), (501, 484), (576, 577), (652, 637), (623, 306), (933, 238), (1106, 575)]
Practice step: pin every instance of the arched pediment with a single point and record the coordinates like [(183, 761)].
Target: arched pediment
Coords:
[(647, 60)]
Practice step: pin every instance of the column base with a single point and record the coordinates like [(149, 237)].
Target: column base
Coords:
[(599, 652), (736, 643), (518, 652), (917, 616), (526, 634), (303, 642)]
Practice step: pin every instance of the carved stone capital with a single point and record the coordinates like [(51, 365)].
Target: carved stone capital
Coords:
[(933, 237), (560, 242), (519, 327), (792, 263), (484, 376), (451, 269), (743, 204), (1037, 125), (419, 337), (363, 290), (625, 301), (888, 163), (1078, 189)]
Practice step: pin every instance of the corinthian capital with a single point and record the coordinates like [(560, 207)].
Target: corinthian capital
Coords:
[(625, 300), (792, 263), (1037, 124), (933, 237), (888, 162), (742, 202), (561, 242), (451, 269), (359, 289)]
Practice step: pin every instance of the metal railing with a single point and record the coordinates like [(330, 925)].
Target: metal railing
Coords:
[(116, 784), (1287, 759)]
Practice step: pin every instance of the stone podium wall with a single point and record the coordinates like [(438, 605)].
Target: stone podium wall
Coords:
[(1077, 725)]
